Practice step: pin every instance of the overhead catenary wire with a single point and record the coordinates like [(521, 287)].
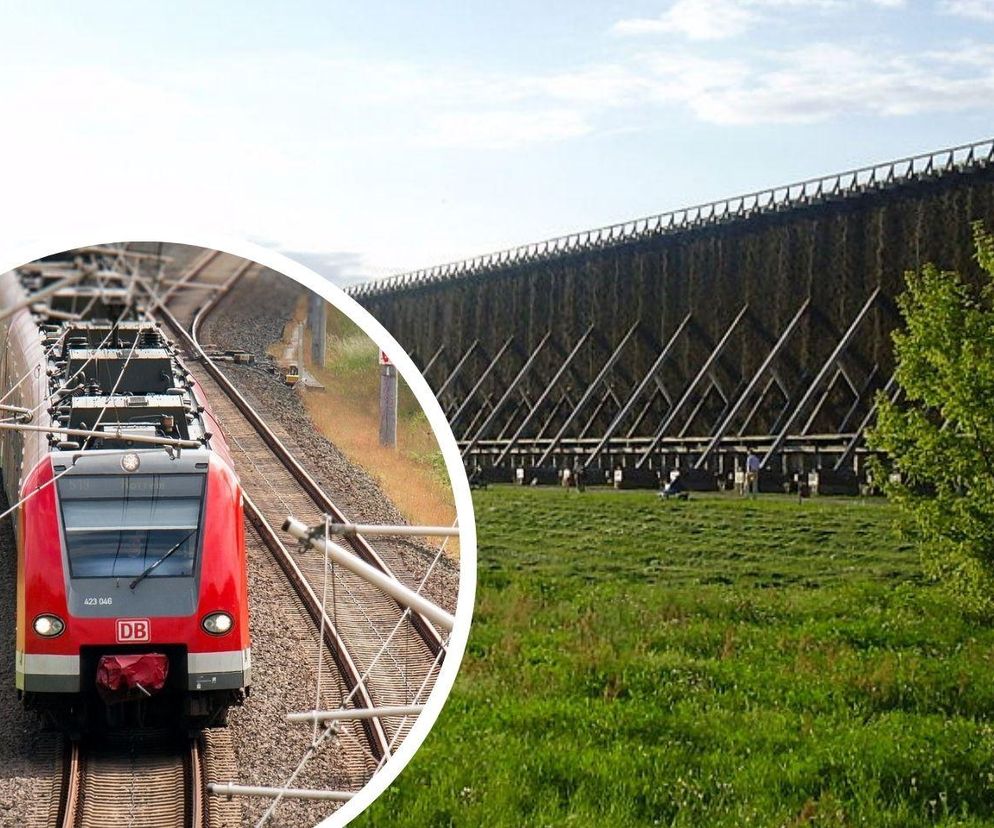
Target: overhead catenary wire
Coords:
[(44, 293), (386, 652), (12, 509), (391, 586), (331, 729), (34, 369)]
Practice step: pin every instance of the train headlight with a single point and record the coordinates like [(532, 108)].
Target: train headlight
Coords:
[(130, 462), (217, 623), (49, 626)]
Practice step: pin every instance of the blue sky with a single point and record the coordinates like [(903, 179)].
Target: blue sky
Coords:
[(374, 139)]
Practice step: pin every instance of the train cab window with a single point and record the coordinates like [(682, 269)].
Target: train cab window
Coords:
[(117, 526)]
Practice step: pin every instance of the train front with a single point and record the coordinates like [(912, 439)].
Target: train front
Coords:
[(132, 597)]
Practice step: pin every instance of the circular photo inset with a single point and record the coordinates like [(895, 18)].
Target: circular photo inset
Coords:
[(237, 543)]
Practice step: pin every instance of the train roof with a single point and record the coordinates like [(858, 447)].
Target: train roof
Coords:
[(115, 381)]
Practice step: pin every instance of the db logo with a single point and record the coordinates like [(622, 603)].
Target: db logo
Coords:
[(133, 629)]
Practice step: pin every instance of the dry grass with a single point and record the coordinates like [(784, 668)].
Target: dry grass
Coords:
[(347, 413)]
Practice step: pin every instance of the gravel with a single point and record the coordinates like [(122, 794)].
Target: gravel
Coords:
[(284, 641), (284, 678), (251, 318)]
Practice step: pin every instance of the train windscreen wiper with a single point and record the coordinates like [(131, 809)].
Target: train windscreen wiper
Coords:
[(152, 566)]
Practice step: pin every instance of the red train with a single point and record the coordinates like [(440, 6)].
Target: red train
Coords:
[(131, 585)]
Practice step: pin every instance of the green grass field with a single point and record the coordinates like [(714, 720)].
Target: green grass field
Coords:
[(713, 662)]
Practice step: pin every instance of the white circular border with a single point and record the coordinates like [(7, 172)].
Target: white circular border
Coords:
[(17, 255)]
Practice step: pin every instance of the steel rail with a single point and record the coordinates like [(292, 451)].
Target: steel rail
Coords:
[(375, 734), (71, 788), (824, 189), (197, 786), (359, 544), (194, 269), (351, 674), (205, 311)]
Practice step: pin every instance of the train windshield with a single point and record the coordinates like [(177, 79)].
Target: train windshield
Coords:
[(116, 526)]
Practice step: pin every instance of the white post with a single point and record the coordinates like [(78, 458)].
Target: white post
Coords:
[(230, 789), (391, 586), (388, 402), (349, 713), (347, 529)]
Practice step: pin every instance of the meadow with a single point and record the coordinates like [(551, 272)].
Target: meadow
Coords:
[(719, 662)]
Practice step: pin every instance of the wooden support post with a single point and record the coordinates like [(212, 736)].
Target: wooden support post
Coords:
[(639, 390), (850, 448), (455, 371), (860, 396), (431, 362), (486, 406), (563, 400), (646, 408), (816, 408), (549, 388), (819, 378), (697, 408), (712, 358), (589, 391), (507, 394), (479, 383), (756, 378)]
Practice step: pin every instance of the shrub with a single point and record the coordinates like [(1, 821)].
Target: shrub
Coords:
[(939, 435)]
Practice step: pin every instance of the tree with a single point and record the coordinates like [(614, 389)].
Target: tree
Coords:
[(939, 436)]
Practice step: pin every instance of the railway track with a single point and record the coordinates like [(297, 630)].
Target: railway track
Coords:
[(139, 780), (276, 484), (359, 544), (145, 780)]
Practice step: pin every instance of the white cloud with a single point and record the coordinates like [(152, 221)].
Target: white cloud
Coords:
[(695, 19), (367, 154), (821, 81), (713, 20), (972, 9)]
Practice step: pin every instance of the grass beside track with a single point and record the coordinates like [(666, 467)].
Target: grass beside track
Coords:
[(712, 662), (413, 476)]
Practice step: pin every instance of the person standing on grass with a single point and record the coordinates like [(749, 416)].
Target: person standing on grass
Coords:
[(752, 474), (578, 473)]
